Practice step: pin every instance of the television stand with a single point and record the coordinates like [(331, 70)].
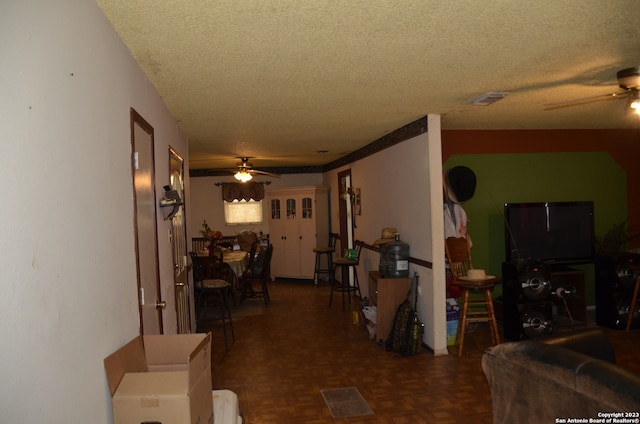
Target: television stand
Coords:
[(572, 309)]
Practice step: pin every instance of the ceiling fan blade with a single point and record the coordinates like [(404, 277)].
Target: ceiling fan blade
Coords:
[(587, 100), (271, 174)]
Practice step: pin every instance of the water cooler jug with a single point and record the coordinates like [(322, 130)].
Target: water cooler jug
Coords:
[(394, 259)]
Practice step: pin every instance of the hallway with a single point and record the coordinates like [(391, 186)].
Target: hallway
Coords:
[(287, 352)]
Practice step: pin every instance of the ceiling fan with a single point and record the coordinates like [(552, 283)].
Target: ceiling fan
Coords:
[(244, 171), (628, 80)]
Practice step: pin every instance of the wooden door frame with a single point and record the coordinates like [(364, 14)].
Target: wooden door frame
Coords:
[(137, 119), (346, 233)]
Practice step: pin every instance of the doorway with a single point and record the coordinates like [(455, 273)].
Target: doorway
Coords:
[(150, 305), (347, 224), (179, 246)]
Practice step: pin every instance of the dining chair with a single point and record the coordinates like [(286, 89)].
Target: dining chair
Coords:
[(199, 243), (260, 274), (253, 252), (477, 303), (349, 261), (212, 286)]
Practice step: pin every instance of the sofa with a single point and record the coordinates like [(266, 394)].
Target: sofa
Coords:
[(558, 378)]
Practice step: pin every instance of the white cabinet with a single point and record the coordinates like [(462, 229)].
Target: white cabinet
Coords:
[(298, 222)]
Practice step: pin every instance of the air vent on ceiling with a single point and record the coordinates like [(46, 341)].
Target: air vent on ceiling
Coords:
[(488, 98)]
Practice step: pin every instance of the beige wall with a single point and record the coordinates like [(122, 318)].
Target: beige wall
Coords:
[(69, 279)]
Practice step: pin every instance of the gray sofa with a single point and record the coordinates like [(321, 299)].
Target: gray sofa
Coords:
[(561, 377)]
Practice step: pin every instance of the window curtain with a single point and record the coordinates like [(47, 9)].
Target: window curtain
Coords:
[(240, 191)]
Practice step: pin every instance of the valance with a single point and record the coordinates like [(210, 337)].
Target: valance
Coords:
[(240, 191)]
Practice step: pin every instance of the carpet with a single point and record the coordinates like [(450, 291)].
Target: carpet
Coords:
[(346, 402)]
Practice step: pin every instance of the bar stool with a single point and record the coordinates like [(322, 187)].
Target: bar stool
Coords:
[(469, 312), (345, 287), (478, 308), (213, 288), (327, 251)]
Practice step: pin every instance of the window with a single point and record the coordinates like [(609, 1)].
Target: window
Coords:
[(243, 212)]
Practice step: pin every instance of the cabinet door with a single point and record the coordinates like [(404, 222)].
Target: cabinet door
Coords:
[(291, 251), (276, 234)]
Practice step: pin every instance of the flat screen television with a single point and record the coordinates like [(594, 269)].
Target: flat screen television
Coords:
[(550, 232)]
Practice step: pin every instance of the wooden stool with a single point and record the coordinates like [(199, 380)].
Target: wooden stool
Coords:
[(344, 286), (469, 311), (328, 252), (632, 307)]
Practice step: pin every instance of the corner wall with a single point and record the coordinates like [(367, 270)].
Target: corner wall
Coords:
[(398, 188)]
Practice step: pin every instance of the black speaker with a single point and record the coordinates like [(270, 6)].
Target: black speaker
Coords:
[(526, 292), (615, 281)]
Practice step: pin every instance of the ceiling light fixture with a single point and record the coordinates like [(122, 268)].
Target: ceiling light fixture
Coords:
[(243, 176), (488, 98), (635, 103)]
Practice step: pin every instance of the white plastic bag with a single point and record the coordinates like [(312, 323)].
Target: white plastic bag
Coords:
[(371, 313)]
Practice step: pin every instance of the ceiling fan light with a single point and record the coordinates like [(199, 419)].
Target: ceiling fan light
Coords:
[(634, 103), (243, 176)]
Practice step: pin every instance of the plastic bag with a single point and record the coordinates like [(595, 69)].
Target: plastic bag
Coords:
[(371, 313)]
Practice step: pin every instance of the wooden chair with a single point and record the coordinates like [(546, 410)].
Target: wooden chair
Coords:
[(259, 273), (212, 287), (251, 255), (473, 308), (344, 264), (199, 243), (327, 252), (226, 242)]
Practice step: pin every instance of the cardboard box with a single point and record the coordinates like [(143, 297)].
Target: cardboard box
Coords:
[(453, 314), (162, 378)]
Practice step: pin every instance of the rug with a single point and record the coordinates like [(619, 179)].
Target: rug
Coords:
[(346, 402)]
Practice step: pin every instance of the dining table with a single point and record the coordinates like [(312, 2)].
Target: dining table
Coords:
[(237, 260)]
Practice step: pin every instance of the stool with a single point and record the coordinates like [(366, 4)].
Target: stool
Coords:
[(328, 252), (632, 307), (345, 287), (220, 291), (467, 315)]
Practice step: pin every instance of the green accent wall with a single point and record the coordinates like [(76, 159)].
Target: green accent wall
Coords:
[(538, 177)]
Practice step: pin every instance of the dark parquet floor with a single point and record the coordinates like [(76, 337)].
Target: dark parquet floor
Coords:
[(287, 352)]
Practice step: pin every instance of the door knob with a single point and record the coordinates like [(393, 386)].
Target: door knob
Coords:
[(161, 304)]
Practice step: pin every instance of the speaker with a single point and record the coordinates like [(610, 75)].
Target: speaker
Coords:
[(615, 281), (526, 293)]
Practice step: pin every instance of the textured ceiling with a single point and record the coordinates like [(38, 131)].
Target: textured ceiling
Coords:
[(280, 80)]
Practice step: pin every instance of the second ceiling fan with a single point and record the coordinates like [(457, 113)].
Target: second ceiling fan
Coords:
[(628, 80)]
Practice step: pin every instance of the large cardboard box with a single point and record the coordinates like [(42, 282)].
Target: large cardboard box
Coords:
[(162, 378)]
